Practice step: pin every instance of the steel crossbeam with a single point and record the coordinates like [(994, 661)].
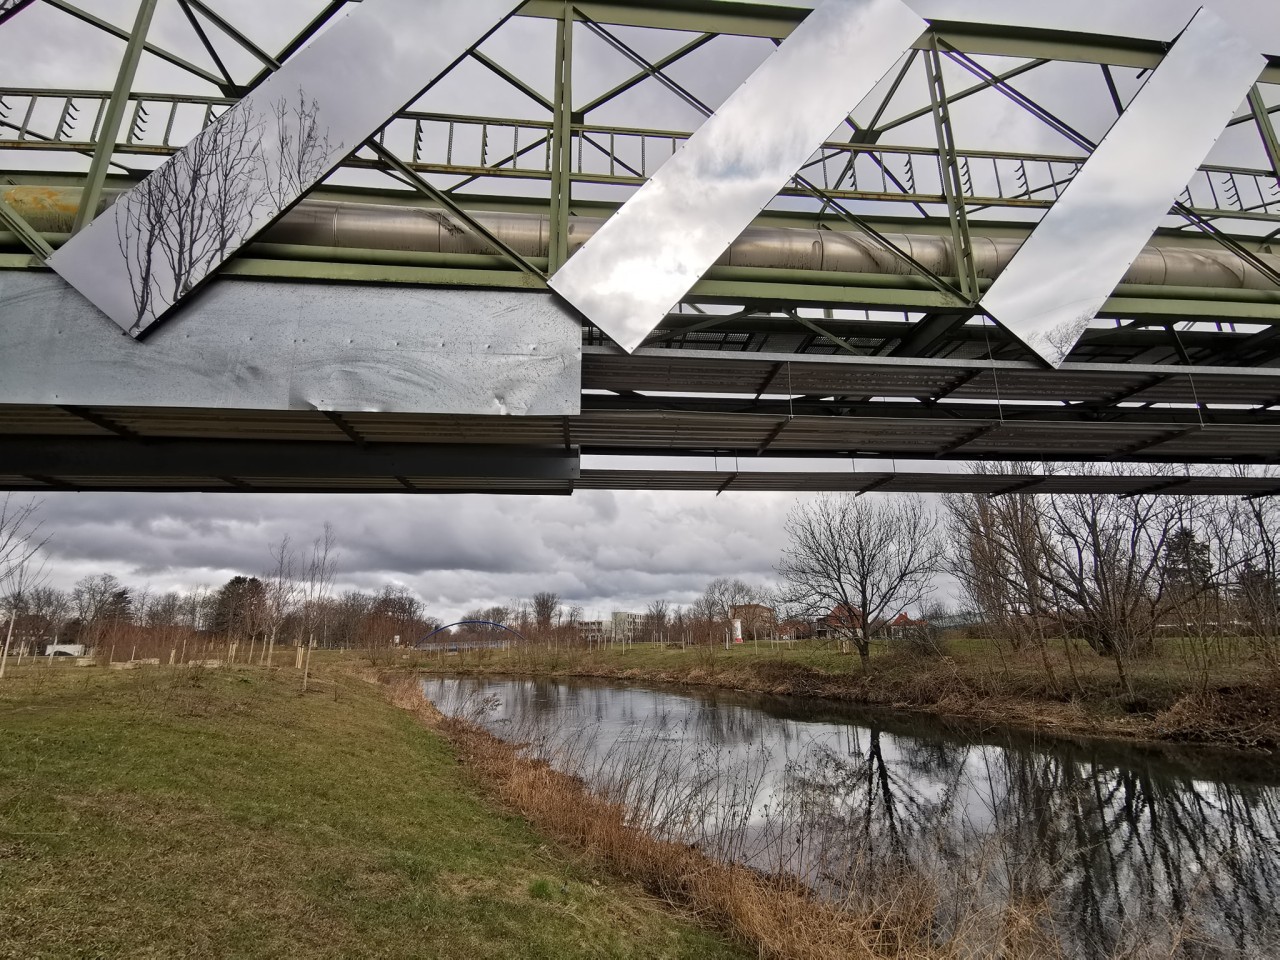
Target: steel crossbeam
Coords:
[(775, 349)]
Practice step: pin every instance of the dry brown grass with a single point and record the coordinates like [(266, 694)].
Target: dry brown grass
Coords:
[(776, 915)]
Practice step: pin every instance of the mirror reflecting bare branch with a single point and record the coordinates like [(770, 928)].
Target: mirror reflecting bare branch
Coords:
[(166, 236)]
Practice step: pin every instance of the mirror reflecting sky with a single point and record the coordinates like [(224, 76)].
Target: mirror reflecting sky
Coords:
[(1152, 19), (646, 258), (163, 238), (1079, 253)]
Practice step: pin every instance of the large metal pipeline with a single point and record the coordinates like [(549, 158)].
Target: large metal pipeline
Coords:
[(370, 226)]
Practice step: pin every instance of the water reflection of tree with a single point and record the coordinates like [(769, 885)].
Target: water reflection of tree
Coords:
[(1137, 851), (864, 814), (726, 724), (196, 209), (1122, 856), (1124, 853)]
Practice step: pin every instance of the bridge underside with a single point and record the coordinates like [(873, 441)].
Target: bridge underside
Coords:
[(395, 332), (174, 449), (285, 386)]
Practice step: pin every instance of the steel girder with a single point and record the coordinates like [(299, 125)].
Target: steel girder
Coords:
[(1169, 347)]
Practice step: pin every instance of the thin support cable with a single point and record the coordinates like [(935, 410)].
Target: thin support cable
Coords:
[(1195, 395), (995, 376)]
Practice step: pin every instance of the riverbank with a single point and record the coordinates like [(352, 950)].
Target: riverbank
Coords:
[(893, 916), (1235, 705), (223, 813)]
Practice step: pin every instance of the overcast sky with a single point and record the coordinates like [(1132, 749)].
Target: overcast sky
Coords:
[(602, 550)]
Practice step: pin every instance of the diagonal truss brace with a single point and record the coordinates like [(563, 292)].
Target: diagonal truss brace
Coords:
[(1061, 127), (109, 132), (122, 34), (413, 179), (30, 238), (952, 181)]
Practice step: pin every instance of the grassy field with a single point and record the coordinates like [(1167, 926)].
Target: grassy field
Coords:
[(1234, 702), (220, 813)]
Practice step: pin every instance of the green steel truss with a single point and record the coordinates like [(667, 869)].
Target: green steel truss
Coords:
[(912, 168), (587, 116)]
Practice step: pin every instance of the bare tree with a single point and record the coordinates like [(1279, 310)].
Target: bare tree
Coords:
[(1257, 587), (92, 595), (197, 608), (350, 618), (504, 616), (724, 593), (522, 615), (498, 614), (545, 607), (1104, 559), (996, 554), (317, 581), (49, 609), (162, 610), (715, 607), (394, 612), (280, 596), (655, 618), (573, 615), (858, 563), (101, 604), (21, 569)]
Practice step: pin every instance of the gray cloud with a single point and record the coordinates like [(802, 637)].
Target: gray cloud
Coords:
[(598, 549)]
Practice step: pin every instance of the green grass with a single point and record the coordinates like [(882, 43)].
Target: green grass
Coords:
[(222, 814)]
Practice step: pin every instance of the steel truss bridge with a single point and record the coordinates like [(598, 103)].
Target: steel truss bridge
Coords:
[(394, 331)]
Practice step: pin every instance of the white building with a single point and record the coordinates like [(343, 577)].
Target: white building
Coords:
[(626, 625), (594, 631)]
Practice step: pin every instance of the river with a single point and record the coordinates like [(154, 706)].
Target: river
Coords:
[(1155, 850)]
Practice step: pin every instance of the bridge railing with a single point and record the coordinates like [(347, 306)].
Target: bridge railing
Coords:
[(475, 148)]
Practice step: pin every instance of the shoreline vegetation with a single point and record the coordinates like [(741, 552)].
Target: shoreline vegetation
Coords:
[(1238, 707)]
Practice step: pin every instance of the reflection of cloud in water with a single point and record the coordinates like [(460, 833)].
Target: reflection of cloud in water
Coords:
[(1123, 843)]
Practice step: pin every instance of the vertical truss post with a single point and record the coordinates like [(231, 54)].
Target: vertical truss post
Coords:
[(562, 142), (1262, 117), (109, 132), (949, 168)]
